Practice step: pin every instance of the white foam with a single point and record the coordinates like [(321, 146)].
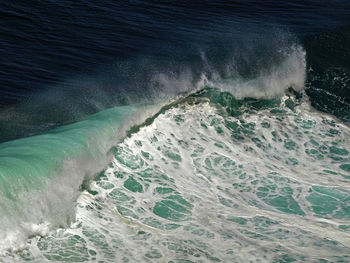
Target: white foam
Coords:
[(219, 176)]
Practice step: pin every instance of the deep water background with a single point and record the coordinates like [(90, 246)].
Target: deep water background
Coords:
[(63, 60)]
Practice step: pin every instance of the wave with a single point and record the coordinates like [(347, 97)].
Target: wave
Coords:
[(45, 177), (214, 178)]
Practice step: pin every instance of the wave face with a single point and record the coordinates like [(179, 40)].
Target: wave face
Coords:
[(215, 179), (41, 176)]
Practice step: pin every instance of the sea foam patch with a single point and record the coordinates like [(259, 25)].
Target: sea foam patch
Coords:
[(198, 184)]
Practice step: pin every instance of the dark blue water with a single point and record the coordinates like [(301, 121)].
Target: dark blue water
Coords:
[(63, 60)]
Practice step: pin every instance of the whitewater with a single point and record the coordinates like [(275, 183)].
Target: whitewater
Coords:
[(230, 169)]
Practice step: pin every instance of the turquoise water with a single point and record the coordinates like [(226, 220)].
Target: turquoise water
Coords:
[(40, 176), (214, 179)]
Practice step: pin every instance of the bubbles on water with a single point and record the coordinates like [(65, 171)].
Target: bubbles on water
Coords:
[(201, 185)]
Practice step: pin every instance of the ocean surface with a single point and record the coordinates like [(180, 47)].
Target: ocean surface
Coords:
[(174, 131)]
